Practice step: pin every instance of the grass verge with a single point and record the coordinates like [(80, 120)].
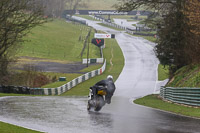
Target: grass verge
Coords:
[(11, 94), (113, 54), (187, 76), (149, 38), (163, 72), (155, 102), (8, 128)]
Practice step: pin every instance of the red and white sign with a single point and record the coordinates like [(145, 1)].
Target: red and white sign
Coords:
[(97, 35)]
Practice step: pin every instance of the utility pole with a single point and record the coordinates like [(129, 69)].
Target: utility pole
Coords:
[(88, 48)]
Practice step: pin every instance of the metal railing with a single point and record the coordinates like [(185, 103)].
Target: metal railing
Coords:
[(187, 96), (76, 20)]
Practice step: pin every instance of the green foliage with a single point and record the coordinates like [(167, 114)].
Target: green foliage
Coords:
[(175, 22), (155, 102), (170, 49)]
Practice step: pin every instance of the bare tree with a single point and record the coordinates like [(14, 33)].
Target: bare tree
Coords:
[(17, 18), (192, 13)]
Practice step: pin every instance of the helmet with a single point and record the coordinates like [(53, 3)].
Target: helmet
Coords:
[(109, 77)]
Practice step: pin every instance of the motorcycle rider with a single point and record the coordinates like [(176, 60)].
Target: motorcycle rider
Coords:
[(108, 85)]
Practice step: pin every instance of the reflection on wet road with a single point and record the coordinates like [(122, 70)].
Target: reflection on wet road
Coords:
[(53, 114), (69, 114)]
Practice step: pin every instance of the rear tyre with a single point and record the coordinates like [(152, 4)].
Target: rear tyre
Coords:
[(89, 106), (100, 103)]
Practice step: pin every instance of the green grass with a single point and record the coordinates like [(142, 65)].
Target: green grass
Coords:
[(91, 68), (115, 70), (163, 72), (8, 128), (149, 38), (57, 40), (68, 76), (147, 32), (187, 76), (155, 102), (10, 94)]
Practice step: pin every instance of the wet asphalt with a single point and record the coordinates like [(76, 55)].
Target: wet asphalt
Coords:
[(69, 114)]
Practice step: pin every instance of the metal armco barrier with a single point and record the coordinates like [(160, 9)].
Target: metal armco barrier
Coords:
[(76, 20), (53, 91), (114, 25), (187, 96), (15, 89), (69, 85)]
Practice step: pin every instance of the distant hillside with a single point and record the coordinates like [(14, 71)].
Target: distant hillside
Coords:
[(99, 5)]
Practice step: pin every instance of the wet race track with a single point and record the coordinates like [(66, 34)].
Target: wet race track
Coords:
[(69, 114)]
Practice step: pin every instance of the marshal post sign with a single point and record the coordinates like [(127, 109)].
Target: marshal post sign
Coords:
[(98, 35), (98, 42)]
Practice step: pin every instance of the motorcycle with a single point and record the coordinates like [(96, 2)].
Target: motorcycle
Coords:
[(96, 101)]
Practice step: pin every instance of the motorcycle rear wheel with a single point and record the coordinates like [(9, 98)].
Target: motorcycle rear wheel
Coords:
[(100, 103), (89, 106)]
